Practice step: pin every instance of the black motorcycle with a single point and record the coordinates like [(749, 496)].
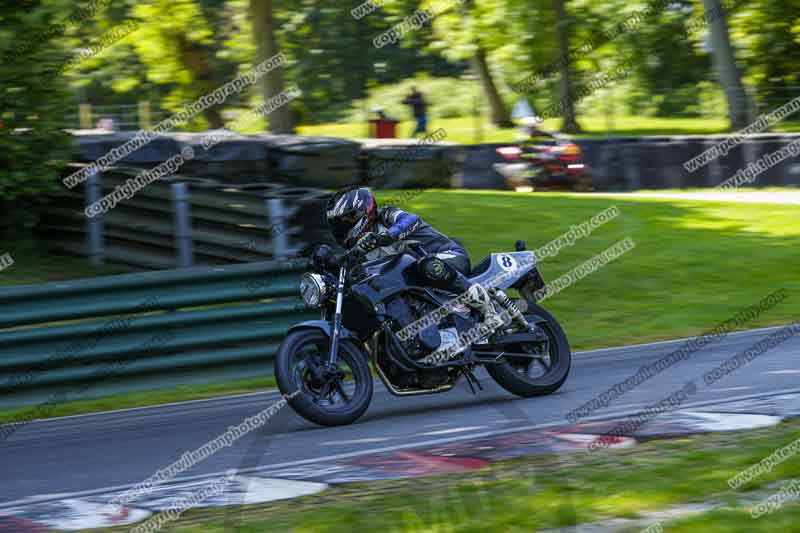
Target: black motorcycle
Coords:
[(420, 339)]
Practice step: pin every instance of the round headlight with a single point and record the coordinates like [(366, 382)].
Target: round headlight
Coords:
[(313, 289)]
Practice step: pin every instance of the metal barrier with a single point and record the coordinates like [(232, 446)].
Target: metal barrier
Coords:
[(180, 221), (90, 338)]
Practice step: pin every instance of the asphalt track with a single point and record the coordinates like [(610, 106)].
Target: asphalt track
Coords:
[(93, 454)]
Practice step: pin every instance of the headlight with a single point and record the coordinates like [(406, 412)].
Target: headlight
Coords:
[(313, 289)]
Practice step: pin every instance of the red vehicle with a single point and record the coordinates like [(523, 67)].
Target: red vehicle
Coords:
[(544, 161)]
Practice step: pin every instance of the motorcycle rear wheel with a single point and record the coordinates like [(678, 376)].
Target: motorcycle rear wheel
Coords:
[(333, 402), (514, 374)]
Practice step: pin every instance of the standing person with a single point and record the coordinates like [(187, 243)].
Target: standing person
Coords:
[(418, 107)]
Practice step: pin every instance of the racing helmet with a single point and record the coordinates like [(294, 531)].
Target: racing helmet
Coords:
[(351, 213)]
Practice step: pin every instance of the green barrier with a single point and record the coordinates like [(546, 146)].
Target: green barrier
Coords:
[(90, 338)]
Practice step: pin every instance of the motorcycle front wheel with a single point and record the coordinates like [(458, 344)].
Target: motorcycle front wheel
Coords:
[(543, 368), (328, 396)]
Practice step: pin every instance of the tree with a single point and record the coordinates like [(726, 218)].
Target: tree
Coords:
[(280, 120), (34, 147), (570, 124), (771, 30), (725, 65), (175, 42), (497, 109), (469, 33), (335, 62), (664, 45)]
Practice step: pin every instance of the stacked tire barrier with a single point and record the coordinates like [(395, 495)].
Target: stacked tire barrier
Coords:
[(321, 162), (420, 165), (615, 163), (73, 340), (625, 164), (185, 221)]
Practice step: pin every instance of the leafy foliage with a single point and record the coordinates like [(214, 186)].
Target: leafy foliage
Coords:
[(182, 49), (769, 35), (33, 100)]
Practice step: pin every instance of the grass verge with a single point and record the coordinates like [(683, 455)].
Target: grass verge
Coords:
[(463, 130), (540, 492), (31, 266), (142, 399)]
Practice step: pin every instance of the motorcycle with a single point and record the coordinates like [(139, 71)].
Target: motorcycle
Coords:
[(419, 339), (543, 162)]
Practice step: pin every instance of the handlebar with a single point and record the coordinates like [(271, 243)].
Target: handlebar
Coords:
[(350, 256), (354, 254)]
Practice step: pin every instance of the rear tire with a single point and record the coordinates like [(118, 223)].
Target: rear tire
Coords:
[(511, 378), (292, 376)]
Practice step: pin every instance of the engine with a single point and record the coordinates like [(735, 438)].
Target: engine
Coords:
[(440, 337), (406, 311)]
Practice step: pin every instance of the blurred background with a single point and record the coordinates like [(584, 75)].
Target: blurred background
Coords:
[(494, 120), (70, 64)]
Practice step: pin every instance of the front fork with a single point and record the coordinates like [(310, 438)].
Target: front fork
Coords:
[(337, 319)]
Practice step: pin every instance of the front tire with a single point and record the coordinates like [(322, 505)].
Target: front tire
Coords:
[(338, 403), (513, 373)]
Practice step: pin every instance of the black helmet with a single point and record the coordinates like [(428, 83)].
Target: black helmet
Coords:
[(351, 213)]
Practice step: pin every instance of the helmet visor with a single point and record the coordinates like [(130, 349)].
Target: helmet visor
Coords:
[(342, 224)]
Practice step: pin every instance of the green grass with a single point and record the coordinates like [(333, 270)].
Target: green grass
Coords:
[(465, 131), (138, 399), (37, 267), (695, 265), (734, 520), (541, 492), (788, 189)]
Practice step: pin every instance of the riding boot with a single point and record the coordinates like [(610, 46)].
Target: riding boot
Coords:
[(476, 296)]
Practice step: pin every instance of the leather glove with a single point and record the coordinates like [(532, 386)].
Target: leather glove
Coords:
[(370, 241), (367, 243)]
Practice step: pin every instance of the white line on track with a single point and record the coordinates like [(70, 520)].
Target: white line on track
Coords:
[(712, 390), (677, 341), (367, 440), (431, 442), (453, 430)]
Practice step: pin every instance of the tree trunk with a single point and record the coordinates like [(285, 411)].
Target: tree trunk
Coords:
[(725, 64), (195, 57), (570, 124), (499, 113), (280, 120), (497, 110)]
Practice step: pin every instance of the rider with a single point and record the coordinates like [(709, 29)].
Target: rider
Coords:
[(356, 222)]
